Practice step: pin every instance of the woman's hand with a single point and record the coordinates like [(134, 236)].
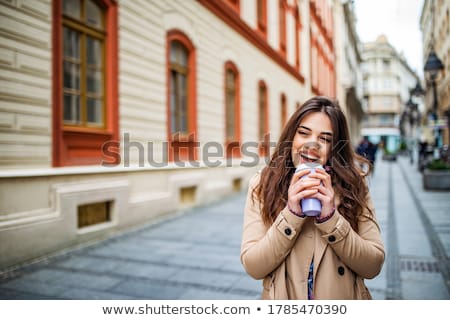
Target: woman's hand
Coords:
[(325, 192), (302, 188)]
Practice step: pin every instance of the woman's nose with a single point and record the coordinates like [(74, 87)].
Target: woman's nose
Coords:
[(311, 145)]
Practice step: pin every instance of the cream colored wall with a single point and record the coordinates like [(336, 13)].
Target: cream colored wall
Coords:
[(25, 84), (248, 12)]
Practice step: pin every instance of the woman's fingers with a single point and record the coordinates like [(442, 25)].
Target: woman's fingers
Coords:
[(326, 196), (323, 176), (302, 188), (304, 184), (304, 194), (298, 175)]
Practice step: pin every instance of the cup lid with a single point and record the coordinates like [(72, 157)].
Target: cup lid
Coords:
[(309, 165)]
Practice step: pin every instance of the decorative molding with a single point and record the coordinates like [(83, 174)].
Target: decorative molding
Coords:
[(80, 192)]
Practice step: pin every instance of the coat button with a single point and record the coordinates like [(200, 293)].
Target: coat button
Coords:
[(341, 270), (288, 231), (332, 238)]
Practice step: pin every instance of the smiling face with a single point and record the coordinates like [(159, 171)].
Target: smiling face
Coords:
[(312, 141)]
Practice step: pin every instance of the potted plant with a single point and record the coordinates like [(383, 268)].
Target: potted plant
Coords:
[(436, 175)]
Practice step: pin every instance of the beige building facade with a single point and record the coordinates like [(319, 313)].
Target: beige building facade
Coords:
[(435, 27), (349, 72), (388, 80), (114, 114)]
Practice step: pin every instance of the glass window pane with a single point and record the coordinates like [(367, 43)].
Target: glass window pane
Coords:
[(94, 51), (94, 14), (230, 126), (95, 111), (71, 43), (71, 76), (183, 103), (94, 81), (173, 51), (72, 8), (230, 80), (262, 113), (183, 115), (178, 53), (173, 99), (71, 109), (183, 56)]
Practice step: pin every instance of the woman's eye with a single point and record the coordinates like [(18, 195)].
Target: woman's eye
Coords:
[(304, 133), (327, 140)]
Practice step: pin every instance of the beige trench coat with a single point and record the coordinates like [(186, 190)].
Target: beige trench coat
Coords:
[(282, 253)]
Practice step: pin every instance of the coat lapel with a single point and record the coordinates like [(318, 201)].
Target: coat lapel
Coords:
[(321, 244)]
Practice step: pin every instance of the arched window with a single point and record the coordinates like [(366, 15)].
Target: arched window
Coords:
[(283, 105), (232, 110), (85, 77), (263, 119), (181, 100), (178, 88)]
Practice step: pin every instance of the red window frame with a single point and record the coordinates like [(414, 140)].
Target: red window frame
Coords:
[(80, 145), (183, 147), (232, 146)]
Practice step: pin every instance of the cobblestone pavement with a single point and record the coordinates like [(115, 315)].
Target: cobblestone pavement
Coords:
[(195, 254)]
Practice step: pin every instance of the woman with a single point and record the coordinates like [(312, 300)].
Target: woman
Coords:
[(301, 257)]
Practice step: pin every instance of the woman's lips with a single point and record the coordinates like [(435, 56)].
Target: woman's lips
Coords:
[(308, 158)]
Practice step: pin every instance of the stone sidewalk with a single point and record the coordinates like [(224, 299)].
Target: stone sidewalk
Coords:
[(195, 254), (415, 227)]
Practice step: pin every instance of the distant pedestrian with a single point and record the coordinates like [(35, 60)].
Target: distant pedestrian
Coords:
[(367, 150), (423, 145), (303, 257)]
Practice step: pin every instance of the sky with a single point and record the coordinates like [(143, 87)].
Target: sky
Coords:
[(399, 20)]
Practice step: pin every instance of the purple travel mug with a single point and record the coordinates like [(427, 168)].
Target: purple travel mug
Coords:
[(310, 206)]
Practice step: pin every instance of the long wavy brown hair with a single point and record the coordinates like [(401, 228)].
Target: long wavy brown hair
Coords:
[(346, 174)]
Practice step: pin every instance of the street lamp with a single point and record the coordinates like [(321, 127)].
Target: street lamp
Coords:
[(432, 66), (417, 91)]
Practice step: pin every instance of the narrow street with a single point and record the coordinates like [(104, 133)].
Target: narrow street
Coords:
[(195, 254)]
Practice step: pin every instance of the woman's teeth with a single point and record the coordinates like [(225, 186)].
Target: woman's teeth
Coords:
[(309, 159)]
